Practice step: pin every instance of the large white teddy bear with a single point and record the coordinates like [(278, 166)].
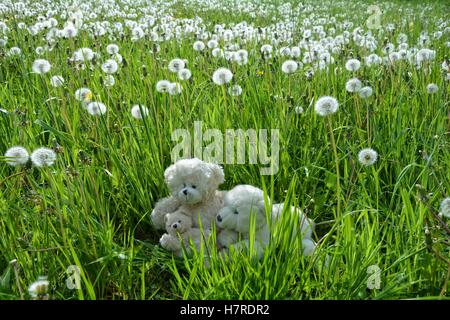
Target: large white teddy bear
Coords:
[(234, 218), (193, 185)]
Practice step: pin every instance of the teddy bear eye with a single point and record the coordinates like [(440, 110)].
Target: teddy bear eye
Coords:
[(179, 221), (236, 212), (184, 185), (193, 187)]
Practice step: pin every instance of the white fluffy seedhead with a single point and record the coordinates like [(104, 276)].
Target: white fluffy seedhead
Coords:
[(192, 180), (241, 203)]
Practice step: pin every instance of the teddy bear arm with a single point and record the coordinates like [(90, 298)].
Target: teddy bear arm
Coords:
[(195, 236), (170, 242), (227, 237), (162, 207), (308, 247)]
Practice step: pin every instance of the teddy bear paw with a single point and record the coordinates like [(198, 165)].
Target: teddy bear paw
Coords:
[(169, 243), (157, 217)]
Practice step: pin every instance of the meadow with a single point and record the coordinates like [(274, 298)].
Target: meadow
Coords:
[(92, 91)]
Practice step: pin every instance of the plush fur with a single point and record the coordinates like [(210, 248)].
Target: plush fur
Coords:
[(194, 185), (180, 233), (239, 204), (306, 227)]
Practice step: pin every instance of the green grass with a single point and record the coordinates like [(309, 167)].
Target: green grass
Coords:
[(91, 209)]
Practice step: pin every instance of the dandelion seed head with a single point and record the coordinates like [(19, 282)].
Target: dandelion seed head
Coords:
[(235, 90), (388, 48), (41, 66), (445, 207), (139, 112), (83, 54), (83, 94), (16, 156), (432, 88), (175, 65), (365, 92), (289, 66), (213, 44), (39, 50), (184, 74), (162, 86), (394, 56), (43, 157), (70, 31), (367, 157), (137, 33), (14, 51), (117, 57), (353, 85), (217, 53), (298, 110), (222, 76), (96, 108), (266, 48), (198, 46), (326, 105), (285, 51), (175, 88), (373, 59), (352, 65), (109, 80), (112, 48), (57, 81), (295, 52), (110, 66), (425, 55), (39, 288)]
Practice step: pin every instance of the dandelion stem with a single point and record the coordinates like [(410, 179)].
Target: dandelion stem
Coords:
[(11, 176), (444, 287), (16, 274), (224, 92), (170, 108), (368, 126), (336, 159), (289, 87), (358, 115)]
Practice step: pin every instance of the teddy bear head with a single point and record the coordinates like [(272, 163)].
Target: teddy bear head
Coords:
[(192, 180), (240, 203), (177, 222)]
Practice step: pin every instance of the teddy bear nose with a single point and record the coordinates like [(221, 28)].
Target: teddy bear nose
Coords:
[(185, 191), (219, 218), (174, 226)]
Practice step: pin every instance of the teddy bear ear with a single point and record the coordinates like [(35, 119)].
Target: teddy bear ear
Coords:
[(217, 173), (169, 173)]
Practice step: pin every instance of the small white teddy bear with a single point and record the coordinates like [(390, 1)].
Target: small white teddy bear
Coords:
[(193, 184), (234, 218), (180, 233)]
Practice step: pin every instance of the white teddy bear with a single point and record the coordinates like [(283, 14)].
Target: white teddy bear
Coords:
[(180, 233), (234, 218), (193, 184)]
